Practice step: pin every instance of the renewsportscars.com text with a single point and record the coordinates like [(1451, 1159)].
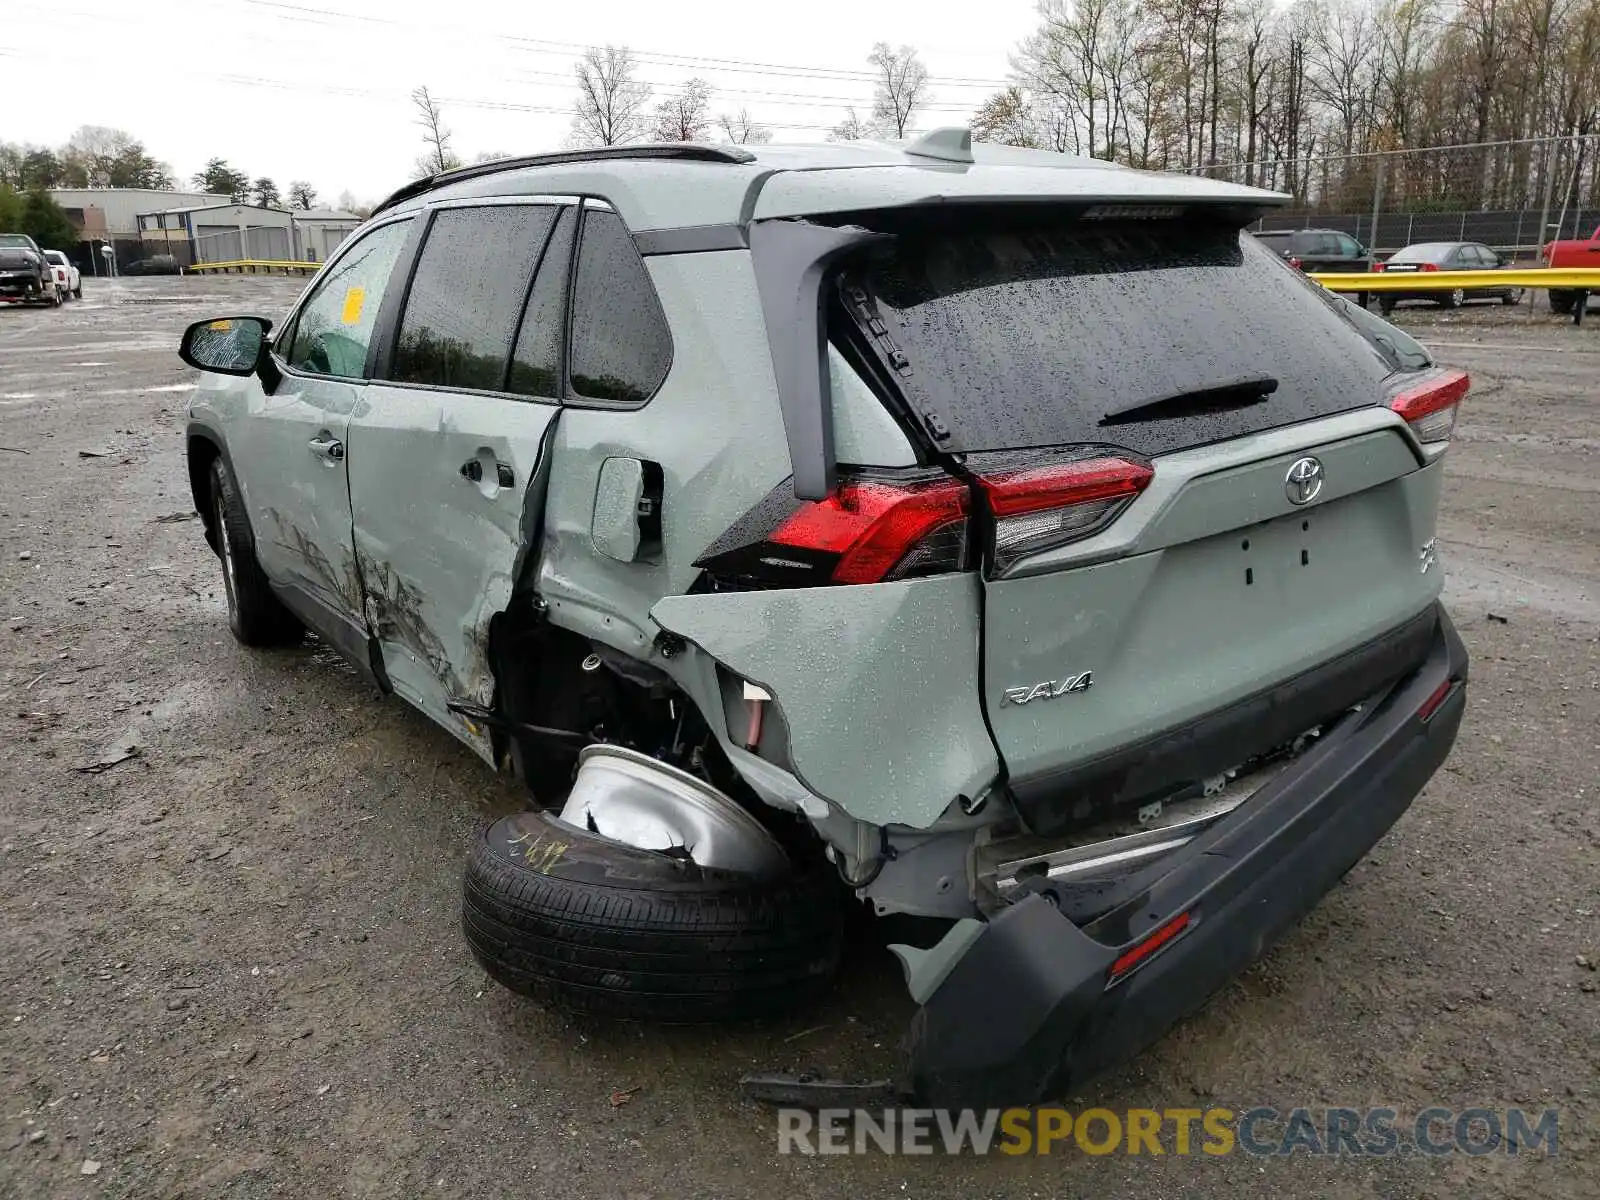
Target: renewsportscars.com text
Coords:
[(1214, 1132)]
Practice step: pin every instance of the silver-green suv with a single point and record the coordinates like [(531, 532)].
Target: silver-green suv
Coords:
[(994, 537)]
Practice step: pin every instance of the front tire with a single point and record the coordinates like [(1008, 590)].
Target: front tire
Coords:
[(255, 615), (1512, 298), (1386, 306), (1453, 299), (1561, 302), (77, 292), (592, 925)]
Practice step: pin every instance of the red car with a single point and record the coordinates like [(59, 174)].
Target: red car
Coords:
[(1572, 252)]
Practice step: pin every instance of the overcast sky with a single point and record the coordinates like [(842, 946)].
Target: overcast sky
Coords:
[(317, 89)]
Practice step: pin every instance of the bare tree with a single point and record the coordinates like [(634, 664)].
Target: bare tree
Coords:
[(438, 156), (1006, 118), (302, 195), (851, 129), (742, 129), (348, 203), (610, 108), (902, 85), (685, 115)]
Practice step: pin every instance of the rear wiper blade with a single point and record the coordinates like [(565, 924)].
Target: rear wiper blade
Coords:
[(1222, 397)]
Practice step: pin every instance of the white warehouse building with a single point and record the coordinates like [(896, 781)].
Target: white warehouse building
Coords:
[(213, 233)]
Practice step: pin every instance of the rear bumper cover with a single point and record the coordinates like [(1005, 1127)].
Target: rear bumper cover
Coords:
[(1026, 1014)]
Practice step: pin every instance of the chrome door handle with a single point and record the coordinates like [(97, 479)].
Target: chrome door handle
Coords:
[(327, 449)]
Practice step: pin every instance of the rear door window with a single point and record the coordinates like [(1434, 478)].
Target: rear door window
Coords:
[(621, 347), (467, 294), (1029, 332)]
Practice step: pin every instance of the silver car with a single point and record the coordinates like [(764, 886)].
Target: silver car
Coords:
[(985, 535)]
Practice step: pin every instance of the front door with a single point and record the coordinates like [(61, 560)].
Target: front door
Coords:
[(448, 452), (292, 450)]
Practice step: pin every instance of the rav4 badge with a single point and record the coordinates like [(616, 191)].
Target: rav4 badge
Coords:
[(1050, 689)]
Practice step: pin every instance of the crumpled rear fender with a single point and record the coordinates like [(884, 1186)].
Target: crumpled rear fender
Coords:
[(877, 684)]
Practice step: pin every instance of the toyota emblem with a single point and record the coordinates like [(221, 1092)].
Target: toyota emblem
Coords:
[(1303, 483)]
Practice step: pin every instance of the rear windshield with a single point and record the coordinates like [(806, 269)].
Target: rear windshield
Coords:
[(1152, 335), (1423, 252)]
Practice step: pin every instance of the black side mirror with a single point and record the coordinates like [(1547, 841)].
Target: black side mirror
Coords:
[(226, 345)]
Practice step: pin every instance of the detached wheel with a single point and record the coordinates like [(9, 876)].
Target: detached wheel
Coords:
[(595, 926), (255, 615)]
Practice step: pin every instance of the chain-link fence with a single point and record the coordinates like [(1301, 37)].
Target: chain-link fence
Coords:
[(1511, 195)]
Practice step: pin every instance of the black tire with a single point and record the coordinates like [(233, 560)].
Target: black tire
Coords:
[(594, 926), (255, 615), (77, 292), (1386, 306), (1561, 302), (1512, 298), (1453, 299)]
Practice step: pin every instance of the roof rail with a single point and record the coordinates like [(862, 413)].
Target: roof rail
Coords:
[(674, 151)]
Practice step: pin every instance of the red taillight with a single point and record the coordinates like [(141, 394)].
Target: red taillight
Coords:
[(1295, 263), (1429, 407), (1435, 699), (1428, 267), (874, 526), (1379, 268), (1041, 506), (1138, 953)]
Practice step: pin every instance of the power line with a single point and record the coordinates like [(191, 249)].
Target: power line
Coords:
[(660, 57)]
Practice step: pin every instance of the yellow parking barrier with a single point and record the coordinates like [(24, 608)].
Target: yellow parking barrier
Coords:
[(1575, 278), (1581, 280), (255, 266)]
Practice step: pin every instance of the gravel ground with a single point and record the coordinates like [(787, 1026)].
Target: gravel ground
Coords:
[(230, 964)]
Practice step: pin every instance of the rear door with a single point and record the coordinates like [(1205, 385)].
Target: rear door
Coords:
[(1197, 492), (448, 452)]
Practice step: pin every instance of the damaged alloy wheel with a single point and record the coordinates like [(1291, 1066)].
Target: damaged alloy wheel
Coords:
[(572, 917)]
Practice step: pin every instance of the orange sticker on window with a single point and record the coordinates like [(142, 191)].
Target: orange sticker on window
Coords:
[(353, 300)]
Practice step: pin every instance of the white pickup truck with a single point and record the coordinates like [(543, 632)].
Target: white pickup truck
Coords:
[(68, 280)]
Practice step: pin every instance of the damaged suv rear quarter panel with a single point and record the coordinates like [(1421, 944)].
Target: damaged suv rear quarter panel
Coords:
[(839, 663), (714, 428)]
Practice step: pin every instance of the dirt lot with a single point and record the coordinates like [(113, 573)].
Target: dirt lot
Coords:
[(230, 965)]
